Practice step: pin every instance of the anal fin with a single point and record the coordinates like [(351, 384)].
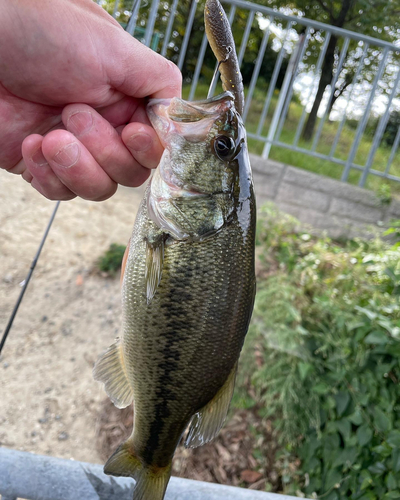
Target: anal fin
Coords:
[(207, 422), (110, 370)]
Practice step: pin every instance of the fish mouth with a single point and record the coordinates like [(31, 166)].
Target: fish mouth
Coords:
[(191, 120)]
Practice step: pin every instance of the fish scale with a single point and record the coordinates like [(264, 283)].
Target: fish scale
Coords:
[(182, 347)]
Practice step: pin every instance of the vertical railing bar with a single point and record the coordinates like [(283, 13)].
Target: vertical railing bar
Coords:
[(199, 64), (379, 132), (130, 28), (281, 99), (188, 31), (151, 22), (246, 34), (167, 35), (302, 49), (363, 121), (332, 91), (353, 84), (273, 81), (256, 70), (215, 82), (393, 151), (115, 10), (310, 93)]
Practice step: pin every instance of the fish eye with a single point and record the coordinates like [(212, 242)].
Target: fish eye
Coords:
[(224, 147)]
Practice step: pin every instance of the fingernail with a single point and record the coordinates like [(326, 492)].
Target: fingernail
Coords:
[(140, 142), (38, 158), (68, 155), (79, 123)]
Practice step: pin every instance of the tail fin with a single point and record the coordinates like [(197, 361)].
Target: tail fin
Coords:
[(151, 485), (151, 482)]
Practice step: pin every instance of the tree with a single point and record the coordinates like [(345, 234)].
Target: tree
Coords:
[(179, 30), (377, 18)]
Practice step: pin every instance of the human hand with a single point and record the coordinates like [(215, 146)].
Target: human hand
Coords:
[(73, 88)]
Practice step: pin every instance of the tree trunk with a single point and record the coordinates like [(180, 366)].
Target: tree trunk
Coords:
[(327, 68), (324, 81)]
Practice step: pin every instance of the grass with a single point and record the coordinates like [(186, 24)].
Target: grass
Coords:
[(329, 130)]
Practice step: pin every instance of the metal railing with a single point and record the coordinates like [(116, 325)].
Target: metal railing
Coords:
[(33, 477), (349, 134)]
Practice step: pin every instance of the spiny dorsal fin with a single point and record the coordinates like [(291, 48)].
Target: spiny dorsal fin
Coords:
[(110, 370), (154, 267), (207, 422)]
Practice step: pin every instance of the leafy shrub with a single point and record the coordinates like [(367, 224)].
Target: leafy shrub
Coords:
[(111, 261), (392, 127), (394, 232), (384, 194), (327, 327)]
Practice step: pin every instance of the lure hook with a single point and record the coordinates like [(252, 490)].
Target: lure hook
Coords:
[(216, 72)]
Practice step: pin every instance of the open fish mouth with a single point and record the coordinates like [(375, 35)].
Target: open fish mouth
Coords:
[(191, 120)]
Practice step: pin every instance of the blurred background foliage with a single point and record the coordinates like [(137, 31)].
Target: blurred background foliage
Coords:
[(322, 359)]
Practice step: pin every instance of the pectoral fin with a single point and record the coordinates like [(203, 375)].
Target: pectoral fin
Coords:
[(207, 422), (110, 370), (154, 266), (124, 261)]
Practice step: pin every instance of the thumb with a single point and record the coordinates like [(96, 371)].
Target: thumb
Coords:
[(138, 71)]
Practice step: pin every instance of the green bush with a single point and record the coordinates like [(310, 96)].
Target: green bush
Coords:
[(111, 261), (391, 129), (327, 325)]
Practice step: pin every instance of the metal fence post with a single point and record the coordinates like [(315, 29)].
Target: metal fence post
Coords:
[(343, 53), (274, 78), (282, 97), (167, 35), (186, 37), (379, 132), (310, 93), (363, 121), (303, 41), (256, 72), (132, 20), (353, 84), (150, 22)]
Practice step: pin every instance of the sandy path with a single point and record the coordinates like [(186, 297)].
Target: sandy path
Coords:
[(49, 401)]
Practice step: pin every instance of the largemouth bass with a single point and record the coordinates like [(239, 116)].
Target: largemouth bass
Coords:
[(188, 290)]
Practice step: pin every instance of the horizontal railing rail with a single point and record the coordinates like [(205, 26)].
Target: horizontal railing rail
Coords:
[(311, 23), (36, 477)]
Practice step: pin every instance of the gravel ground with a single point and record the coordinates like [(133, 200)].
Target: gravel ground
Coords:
[(70, 314)]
